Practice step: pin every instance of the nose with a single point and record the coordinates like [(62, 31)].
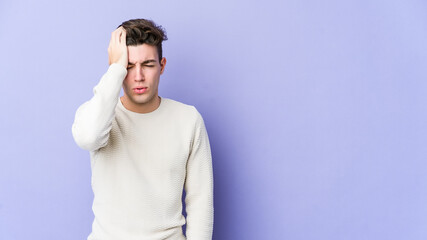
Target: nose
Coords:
[(139, 74)]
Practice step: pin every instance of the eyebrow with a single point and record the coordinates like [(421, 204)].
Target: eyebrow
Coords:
[(144, 62)]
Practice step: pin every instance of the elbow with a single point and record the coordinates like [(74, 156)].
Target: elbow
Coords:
[(84, 139)]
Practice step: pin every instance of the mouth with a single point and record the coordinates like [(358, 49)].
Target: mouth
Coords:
[(140, 90)]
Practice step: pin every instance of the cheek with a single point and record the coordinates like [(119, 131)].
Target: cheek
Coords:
[(126, 81), (154, 75)]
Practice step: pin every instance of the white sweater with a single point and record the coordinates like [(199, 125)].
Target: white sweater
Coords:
[(141, 162)]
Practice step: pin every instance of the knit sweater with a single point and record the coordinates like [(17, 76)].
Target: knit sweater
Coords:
[(141, 162)]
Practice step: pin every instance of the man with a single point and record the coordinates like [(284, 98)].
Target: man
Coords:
[(144, 149)]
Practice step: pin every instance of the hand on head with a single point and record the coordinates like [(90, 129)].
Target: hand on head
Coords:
[(117, 49)]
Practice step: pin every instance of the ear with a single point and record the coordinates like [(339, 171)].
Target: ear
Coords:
[(162, 64)]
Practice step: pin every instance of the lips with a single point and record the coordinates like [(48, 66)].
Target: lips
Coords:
[(140, 90)]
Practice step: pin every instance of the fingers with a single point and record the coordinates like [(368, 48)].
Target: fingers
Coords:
[(123, 37), (117, 36), (114, 36), (117, 49)]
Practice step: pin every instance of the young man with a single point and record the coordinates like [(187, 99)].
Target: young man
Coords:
[(144, 149)]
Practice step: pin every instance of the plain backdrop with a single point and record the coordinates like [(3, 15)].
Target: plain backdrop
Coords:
[(315, 110)]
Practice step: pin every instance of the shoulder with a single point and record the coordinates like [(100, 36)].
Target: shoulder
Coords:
[(186, 116), (181, 109)]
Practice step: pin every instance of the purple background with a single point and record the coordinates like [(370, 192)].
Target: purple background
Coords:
[(316, 112)]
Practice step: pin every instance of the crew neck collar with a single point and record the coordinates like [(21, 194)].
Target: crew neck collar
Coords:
[(155, 111)]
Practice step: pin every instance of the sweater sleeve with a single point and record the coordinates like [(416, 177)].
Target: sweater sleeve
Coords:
[(199, 186), (93, 119)]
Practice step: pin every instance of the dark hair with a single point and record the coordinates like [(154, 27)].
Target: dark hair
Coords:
[(139, 31)]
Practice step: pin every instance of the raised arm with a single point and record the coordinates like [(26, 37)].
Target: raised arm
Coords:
[(199, 186), (93, 119)]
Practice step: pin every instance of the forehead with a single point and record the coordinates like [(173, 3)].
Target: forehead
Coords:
[(140, 53)]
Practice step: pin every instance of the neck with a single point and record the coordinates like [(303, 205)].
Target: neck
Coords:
[(141, 107)]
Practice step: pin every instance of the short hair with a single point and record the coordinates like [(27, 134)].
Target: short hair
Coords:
[(140, 31)]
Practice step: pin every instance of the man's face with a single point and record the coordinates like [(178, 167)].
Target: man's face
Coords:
[(141, 84)]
